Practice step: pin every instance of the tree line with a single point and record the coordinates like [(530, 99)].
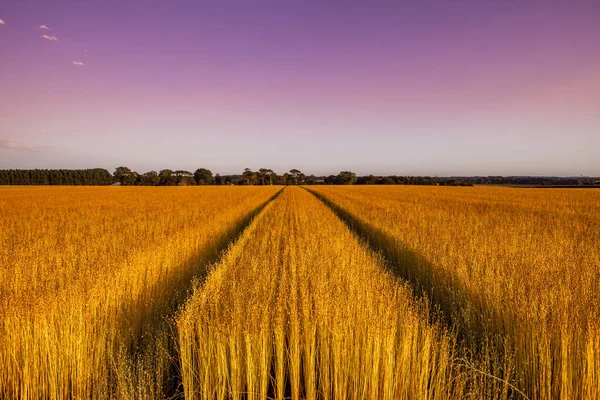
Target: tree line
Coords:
[(533, 180), (95, 176), (264, 176), (202, 176)]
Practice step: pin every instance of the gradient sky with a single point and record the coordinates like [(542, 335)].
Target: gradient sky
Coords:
[(384, 87)]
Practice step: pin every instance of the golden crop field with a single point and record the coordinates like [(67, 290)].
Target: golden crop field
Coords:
[(88, 277), (515, 271), (300, 309), (330, 292)]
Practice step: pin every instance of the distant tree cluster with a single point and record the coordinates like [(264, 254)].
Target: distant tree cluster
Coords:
[(203, 176), (96, 176), (395, 180), (455, 182), (166, 177), (264, 176), (531, 180)]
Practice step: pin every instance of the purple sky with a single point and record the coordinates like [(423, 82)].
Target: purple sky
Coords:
[(383, 87)]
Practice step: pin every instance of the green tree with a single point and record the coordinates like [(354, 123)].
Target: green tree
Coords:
[(184, 178), (249, 177), (167, 178), (346, 178), (203, 177), (218, 179), (263, 176), (120, 173), (150, 179), (296, 175), (272, 176), (123, 175)]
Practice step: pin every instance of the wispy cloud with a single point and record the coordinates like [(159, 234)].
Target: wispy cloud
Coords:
[(77, 63), (6, 144), (53, 38), (1, 22), (45, 27)]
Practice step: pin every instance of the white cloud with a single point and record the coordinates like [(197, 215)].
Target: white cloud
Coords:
[(6, 144), (45, 27), (1, 22), (77, 63), (53, 38)]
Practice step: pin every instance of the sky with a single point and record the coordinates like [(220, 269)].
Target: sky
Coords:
[(377, 87)]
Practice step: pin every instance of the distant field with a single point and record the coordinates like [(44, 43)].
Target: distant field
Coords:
[(330, 292)]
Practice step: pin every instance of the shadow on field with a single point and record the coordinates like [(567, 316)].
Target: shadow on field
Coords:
[(149, 366), (480, 330)]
